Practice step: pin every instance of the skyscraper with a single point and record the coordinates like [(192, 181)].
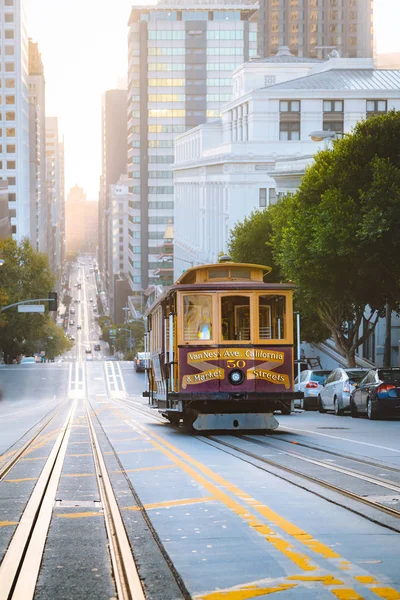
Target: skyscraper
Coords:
[(181, 56), (55, 181), (114, 130), (316, 27), (14, 118), (39, 206)]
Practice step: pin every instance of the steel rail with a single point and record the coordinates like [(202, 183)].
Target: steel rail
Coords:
[(19, 452), (363, 461), (340, 469), (332, 487), (126, 576), (20, 567)]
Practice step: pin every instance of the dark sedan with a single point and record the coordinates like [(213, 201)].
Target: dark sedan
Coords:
[(377, 394)]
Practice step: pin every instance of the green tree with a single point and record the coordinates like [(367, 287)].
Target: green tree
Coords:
[(24, 275), (338, 237), (251, 242)]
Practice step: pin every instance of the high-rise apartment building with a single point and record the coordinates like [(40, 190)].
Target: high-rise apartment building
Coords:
[(114, 126), (40, 210), (14, 116), (81, 216), (5, 225), (54, 172), (181, 57), (315, 28)]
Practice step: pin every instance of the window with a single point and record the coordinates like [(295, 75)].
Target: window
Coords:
[(10, 99), (9, 51), (271, 317), (9, 34), (11, 181), (376, 107), (11, 164), (219, 97), (166, 97), (166, 51), (10, 149), (9, 18), (157, 34), (289, 131), (161, 143), (9, 67), (333, 106), (235, 317), (289, 105), (161, 189), (10, 132), (228, 34), (166, 82), (335, 126), (8, 2), (263, 197), (166, 66), (197, 314), (160, 113), (220, 51), (10, 83)]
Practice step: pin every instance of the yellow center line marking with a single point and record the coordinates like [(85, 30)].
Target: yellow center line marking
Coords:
[(171, 503), (244, 593), (346, 594), (325, 579), (365, 579), (21, 480), (386, 593), (77, 515), (286, 526), (301, 560), (8, 523), (146, 469)]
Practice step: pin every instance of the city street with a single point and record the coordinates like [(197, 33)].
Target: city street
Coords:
[(309, 511)]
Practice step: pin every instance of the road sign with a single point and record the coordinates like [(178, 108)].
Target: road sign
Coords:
[(31, 308)]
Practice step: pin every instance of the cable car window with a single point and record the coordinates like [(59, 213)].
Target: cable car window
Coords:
[(240, 274), (218, 273), (271, 315), (235, 317), (197, 317)]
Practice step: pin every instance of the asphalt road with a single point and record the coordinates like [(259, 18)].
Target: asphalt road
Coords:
[(207, 517)]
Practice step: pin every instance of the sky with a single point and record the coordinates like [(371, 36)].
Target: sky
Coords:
[(84, 51)]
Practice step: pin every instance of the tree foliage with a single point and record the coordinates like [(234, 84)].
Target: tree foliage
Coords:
[(26, 275), (251, 242), (338, 237)]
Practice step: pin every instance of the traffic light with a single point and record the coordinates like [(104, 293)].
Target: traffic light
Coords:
[(53, 301)]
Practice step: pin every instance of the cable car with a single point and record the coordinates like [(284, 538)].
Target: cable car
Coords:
[(220, 342)]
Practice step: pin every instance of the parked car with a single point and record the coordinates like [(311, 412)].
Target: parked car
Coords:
[(335, 393), (28, 360), (88, 350), (72, 322), (97, 347), (311, 382), (140, 361), (79, 326), (377, 394)]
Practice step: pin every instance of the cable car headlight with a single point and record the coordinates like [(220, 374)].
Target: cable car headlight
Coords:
[(236, 377)]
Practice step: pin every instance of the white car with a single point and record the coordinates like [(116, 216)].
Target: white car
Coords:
[(28, 360), (310, 383)]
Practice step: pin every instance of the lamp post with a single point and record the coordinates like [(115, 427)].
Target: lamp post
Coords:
[(298, 344)]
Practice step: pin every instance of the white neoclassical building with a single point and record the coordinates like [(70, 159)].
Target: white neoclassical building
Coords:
[(263, 142)]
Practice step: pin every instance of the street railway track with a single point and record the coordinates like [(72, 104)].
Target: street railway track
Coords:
[(13, 454), (280, 470), (20, 567)]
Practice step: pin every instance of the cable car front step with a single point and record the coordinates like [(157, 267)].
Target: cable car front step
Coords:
[(235, 422)]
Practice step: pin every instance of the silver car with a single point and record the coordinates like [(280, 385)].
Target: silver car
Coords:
[(310, 383), (335, 393)]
